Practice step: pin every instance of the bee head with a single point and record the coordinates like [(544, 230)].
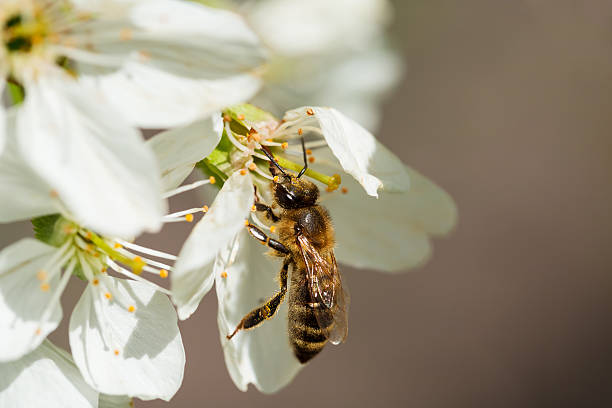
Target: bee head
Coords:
[(292, 192)]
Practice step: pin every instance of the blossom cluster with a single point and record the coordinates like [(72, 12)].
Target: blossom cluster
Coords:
[(233, 85)]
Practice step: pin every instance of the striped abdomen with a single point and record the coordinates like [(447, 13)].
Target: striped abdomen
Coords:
[(307, 335)]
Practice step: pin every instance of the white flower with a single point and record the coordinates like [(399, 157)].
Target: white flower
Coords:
[(92, 72), (389, 233), (48, 377), (326, 53), (123, 333)]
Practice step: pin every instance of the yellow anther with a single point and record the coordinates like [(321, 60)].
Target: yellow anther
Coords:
[(272, 228), (243, 172), (246, 223), (89, 235), (41, 275), (252, 166), (309, 112), (241, 117), (300, 131), (284, 145), (163, 273), (224, 274), (308, 152), (125, 34), (53, 194), (44, 287), (90, 247), (227, 118), (38, 331), (108, 295), (205, 208), (270, 140), (116, 352), (311, 159), (344, 190), (95, 282), (137, 265), (253, 208), (104, 269), (118, 245), (276, 179), (334, 182), (131, 309), (212, 180), (189, 217)]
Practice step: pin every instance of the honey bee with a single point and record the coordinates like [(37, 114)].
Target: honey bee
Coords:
[(318, 302)]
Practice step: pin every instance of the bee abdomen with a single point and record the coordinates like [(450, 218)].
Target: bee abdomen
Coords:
[(307, 334)]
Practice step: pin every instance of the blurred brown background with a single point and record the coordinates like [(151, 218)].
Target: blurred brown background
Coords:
[(507, 105)]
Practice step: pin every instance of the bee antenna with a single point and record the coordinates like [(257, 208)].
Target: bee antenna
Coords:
[(305, 160), (272, 159)]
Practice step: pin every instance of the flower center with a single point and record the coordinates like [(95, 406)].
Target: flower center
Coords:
[(21, 33)]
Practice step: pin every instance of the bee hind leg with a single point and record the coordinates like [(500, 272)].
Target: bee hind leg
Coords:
[(268, 310)]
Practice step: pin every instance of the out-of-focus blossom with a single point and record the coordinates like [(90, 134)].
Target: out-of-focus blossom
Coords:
[(328, 53)]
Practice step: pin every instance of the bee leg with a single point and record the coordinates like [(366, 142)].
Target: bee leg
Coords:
[(266, 240), (268, 210), (268, 310)]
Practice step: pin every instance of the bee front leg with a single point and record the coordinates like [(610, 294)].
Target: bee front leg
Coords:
[(266, 240), (268, 310)]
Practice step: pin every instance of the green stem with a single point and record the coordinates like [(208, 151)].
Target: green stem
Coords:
[(332, 182)]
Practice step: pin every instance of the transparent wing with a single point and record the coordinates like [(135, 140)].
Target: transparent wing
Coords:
[(325, 286)]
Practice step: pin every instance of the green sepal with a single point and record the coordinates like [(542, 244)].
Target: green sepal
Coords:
[(209, 169), (45, 229), (16, 92)]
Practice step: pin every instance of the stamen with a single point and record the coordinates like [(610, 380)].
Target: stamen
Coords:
[(284, 145), (212, 180), (300, 131), (262, 173), (188, 187), (108, 295), (182, 213), (344, 190), (138, 278), (137, 265), (308, 152), (95, 282), (116, 352), (163, 273), (131, 309), (41, 275), (272, 228), (117, 245), (311, 159), (189, 217), (125, 34), (45, 287), (243, 172), (205, 209), (252, 166), (147, 251), (309, 112), (224, 274)]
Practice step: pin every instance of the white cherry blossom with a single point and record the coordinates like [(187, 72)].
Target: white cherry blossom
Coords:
[(397, 208), (90, 73)]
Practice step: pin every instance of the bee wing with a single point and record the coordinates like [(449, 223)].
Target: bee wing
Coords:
[(325, 286)]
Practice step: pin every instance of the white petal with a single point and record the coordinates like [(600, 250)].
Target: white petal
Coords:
[(394, 231), (295, 27), (261, 356), (151, 98), (183, 38), (100, 167), (179, 149), (22, 302), (192, 276), (47, 377), (115, 401), (24, 194), (150, 357), (358, 152)]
